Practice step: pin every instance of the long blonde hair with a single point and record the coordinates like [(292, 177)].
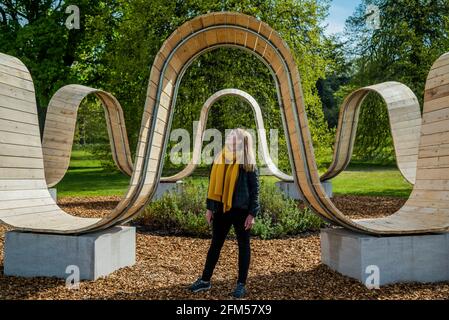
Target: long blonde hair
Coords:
[(245, 156)]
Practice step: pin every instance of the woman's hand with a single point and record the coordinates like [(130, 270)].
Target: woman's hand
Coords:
[(249, 222), (209, 216)]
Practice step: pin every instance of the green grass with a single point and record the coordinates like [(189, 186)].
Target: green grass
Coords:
[(365, 181), (86, 177)]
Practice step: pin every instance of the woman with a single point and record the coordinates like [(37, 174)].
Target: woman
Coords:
[(233, 199)]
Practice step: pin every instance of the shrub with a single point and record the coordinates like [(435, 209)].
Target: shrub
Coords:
[(183, 213)]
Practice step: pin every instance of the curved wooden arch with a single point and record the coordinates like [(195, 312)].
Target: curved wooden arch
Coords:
[(60, 125), (402, 105), (404, 115), (427, 210), (191, 166)]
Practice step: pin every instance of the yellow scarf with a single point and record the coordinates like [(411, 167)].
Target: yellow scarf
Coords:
[(223, 178)]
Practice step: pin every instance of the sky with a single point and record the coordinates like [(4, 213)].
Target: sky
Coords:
[(339, 11)]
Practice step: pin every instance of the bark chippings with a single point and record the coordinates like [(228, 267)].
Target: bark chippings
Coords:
[(280, 269)]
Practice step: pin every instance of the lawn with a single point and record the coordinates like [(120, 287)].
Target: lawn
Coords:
[(86, 177), (363, 180)]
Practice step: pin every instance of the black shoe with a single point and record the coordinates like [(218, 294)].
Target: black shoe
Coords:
[(200, 285), (239, 291)]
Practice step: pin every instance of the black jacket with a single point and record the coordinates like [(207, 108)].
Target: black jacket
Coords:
[(246, 193)]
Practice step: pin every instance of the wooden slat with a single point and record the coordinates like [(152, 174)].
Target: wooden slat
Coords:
[(16, 81), (8, 90), (19, 127)]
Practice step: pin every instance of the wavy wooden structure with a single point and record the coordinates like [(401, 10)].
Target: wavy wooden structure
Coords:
[(402, 105), (26, 204), (196, 155), (405, 122), (61, 119)]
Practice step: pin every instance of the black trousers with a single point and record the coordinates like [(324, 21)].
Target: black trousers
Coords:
[(221, 224)]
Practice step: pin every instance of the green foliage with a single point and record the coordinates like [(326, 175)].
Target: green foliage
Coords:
[(118, 40), (131, 42), (91, 132), (280, 216), (338, 74), (35, 32), (178, 213), (413, 34), (117, 43), (183, 213)]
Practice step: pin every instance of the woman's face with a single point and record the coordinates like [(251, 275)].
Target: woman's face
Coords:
[(233, 142)]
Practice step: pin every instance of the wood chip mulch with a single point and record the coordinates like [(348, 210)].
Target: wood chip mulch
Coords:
[(280, 269)]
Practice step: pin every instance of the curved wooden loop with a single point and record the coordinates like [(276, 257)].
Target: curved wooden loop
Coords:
[(196, 156), (427, 210), (402, 105), (60, 125), (405, 123)]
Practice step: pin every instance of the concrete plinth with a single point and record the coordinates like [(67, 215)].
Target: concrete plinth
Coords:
[(164, 187), (290, 189), (399, 259), (96, 254)]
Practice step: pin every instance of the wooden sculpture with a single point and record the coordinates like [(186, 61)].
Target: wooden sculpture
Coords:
[(61, 119), (26, 204), (187, 171), (402, 106), (405, 122)]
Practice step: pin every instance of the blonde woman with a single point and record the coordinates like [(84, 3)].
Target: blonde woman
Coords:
[(233, 200)]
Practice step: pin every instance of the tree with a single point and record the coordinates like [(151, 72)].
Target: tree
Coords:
[(35, 32), (143, 26), (338, 74), (118, 40), (412, 35)]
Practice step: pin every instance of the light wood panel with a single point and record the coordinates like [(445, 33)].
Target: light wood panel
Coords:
[(25, 202), (405, 124), (60, 129), (262, 142)]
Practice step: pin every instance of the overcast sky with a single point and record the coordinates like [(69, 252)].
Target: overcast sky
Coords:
[(339, 11)]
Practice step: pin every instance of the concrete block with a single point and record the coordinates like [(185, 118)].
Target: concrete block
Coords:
[(164, 187), (47, 255), (399, 259), (290, 189)]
